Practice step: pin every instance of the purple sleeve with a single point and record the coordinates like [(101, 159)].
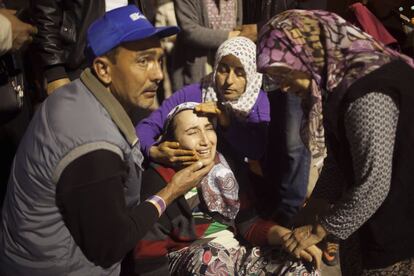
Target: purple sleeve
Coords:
[(261, 110), (149, 129), (249, 137)]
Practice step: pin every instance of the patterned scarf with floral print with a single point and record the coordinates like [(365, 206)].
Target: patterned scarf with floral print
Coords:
[(329, 49)]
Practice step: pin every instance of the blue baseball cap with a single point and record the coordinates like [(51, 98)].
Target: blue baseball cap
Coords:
[(120, 25)]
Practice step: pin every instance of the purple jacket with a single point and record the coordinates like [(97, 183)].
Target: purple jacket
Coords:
[(248, 137)]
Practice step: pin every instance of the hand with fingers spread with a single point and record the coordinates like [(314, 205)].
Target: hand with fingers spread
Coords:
[(21, 32), (280, 235), (184, 180), (214, 109), (303, 237), (170, 154)]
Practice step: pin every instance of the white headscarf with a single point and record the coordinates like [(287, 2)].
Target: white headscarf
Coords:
[(245, 50)]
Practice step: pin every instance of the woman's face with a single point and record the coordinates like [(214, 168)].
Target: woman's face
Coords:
[(230, 78), (196, 133), (289, 80)]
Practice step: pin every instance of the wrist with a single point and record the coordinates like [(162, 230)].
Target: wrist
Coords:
[(320, 231), (167, 194), (275, 234), (233, 34), (159, 203), (154, 153)]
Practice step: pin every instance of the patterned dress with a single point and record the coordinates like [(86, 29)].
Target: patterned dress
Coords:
[(215, 259)]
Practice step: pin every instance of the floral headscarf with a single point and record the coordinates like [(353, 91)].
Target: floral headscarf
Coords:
[(245, 50), (329, 49), (219, 188)]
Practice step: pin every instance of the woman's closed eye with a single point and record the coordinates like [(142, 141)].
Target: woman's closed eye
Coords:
[(240, 72), (191, 131), (222, 68), (209, 127)]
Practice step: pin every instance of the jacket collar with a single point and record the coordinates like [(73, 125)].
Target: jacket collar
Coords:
[(112, 106)]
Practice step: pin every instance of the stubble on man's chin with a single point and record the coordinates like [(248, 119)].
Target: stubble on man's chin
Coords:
[(138, 113)]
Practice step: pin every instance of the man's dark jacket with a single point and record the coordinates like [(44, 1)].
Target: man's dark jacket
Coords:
[(62, 27)]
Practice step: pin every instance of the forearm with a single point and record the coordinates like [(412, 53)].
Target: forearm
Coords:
[(370, 125), (347, 216), (91, 198), (168, 194), (356, 207), (47, 15), (263, 232), (252, 228), (331, 183), (101, 224)]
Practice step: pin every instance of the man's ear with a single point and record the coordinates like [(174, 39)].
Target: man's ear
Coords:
[(102, 67)]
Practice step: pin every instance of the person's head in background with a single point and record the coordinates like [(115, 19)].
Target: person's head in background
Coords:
[(235, 80), (125, 53), (193, 131)]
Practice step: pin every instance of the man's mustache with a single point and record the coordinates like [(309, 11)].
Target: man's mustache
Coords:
[(152, 88)]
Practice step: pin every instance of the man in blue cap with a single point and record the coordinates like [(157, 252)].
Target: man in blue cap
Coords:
[(73, 205)]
